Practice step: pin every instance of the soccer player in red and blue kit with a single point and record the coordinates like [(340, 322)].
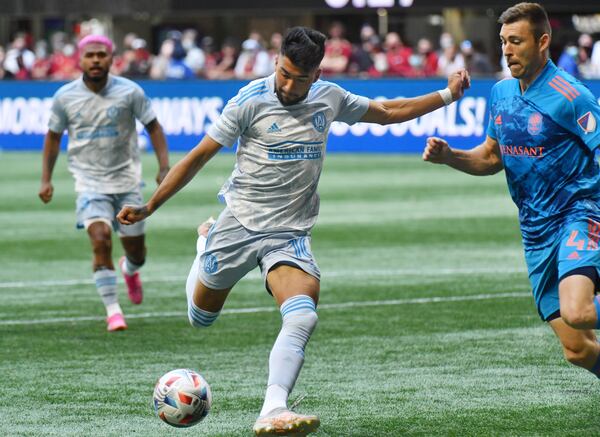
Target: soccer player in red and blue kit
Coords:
[(543, 132)]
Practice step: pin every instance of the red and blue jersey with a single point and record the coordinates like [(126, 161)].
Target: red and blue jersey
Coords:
[(548, 136)]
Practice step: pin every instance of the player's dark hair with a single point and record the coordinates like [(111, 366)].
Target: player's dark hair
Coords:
[(532, 12), (304, 46)]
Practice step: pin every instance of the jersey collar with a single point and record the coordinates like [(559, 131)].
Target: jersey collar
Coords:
[(109, 82), (548, 71)]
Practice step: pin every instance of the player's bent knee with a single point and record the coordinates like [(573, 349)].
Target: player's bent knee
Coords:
[(574, 317), (575, 355), (305, 321), (311, 319)]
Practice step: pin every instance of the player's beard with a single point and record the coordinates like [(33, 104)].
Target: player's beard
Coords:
[(289, 102), (99, 78)]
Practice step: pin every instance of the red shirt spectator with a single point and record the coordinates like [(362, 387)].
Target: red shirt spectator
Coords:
[(338, 51), (63, 64), (398, 56)]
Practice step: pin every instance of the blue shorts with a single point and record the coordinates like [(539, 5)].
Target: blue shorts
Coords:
[(575, 247), (93, 207)]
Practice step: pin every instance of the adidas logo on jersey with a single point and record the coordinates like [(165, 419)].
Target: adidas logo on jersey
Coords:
[(274, 128)]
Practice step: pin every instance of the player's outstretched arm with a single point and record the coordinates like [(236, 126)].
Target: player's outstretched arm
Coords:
[(159, 143), (400, 110), (175, 180), (482, 160), (51, 150)]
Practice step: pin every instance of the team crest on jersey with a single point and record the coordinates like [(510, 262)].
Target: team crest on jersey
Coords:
[(587, 122), (210, 264), (534, 124), (113, 113), (319, 121)]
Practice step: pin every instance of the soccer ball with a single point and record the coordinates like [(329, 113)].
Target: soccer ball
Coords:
[(182, 398)]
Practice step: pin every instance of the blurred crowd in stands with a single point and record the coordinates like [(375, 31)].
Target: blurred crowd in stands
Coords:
[(185, 55)]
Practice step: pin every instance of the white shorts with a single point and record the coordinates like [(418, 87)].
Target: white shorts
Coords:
[(232, 251), (92, 207)]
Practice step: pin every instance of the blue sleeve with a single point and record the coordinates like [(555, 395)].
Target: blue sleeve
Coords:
[(491, 129), (584, 117)]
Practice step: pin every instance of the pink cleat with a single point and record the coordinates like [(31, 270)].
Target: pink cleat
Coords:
[(134, 285), (116, 322)]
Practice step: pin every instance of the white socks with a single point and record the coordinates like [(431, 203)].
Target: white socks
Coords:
[(106, 285), (198, 317), (129, 268), (112, 309), (192, 278), (287, 356)]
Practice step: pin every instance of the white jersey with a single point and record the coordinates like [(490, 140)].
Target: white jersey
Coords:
[(280, 152), (102, 152)]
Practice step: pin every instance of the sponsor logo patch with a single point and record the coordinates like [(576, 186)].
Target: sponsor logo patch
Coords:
[(587, 122), (210, 264), (273, 129), (319, 121), (534, 124)]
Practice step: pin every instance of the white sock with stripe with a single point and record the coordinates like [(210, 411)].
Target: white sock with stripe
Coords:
[(129, 268), (287, 356), (106, 285)]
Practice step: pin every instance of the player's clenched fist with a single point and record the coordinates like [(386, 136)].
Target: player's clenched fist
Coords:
[(458, 82), (46, 191), (436, 151), (131, 214)]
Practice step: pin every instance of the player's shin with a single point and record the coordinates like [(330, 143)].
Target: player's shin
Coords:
[(198, 317), (596, 369), (287, 356)]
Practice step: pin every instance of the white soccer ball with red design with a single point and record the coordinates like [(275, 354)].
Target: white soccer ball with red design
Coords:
[(182, 398)]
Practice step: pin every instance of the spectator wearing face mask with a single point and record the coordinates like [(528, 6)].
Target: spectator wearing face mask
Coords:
[(425, 60), (568, 60), (450, 59), (19, 59), (195, 57), (64, 61), (253, 61), (585, 45), (477, 63)]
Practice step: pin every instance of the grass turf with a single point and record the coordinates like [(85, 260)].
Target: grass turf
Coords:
[(426, 323)]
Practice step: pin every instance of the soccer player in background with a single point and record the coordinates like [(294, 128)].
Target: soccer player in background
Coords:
[(282, 122), (543, 131), (99, 110)]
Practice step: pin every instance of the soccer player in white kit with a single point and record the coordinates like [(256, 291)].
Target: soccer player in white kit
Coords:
[(99, 110), (282, 122)]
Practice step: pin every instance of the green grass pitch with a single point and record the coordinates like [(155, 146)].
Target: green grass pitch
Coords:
[(427, 326)]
